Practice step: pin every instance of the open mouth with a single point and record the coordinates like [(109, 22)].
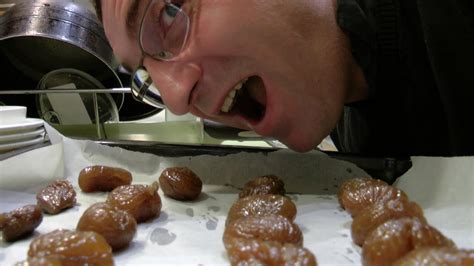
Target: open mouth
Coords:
[(247, 99)]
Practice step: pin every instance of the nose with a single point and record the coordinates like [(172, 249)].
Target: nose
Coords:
[(175, 80)]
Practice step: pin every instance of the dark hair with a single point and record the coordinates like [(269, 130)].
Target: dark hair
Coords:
[(98, 8)]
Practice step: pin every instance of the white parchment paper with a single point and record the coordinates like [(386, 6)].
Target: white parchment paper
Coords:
[(444, 188), (190, 233), (29, 171)]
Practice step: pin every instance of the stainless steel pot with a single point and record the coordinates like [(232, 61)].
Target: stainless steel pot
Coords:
[(44, 35), (5, 5), (40, 36)]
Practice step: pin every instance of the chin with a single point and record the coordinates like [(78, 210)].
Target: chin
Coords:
[(301, 145)]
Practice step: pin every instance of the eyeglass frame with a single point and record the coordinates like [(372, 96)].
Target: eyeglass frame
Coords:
[(139, 92)]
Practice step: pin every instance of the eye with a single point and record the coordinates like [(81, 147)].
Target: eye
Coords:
[(168, 14), (164, 28), (171, 10)]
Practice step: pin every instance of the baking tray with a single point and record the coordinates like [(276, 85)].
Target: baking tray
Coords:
[(311, 181), (441, 186), (387, 169)]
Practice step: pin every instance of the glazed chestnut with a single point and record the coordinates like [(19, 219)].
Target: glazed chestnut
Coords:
[(358, 193), (243, 251), (272, 227), (20, 222), (180, 183), (72, 248), (261, 205), (395, 238), (118, 227), (42, 261), (103, 178), (371, 217), (56, 197), (262, 185), (142, 202), (437, 256)]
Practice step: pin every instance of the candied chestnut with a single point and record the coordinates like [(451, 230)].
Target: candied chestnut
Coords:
[(437, 256), (42, 261), (272, 227), (57, 196), (262, 185), (118, 227), (243, 251), (142, 202), (180, 183), (3, 219), (261, 205), (72, 248), (20, 222), (395, 238), (103, 178), (359, 193), (371, 217)]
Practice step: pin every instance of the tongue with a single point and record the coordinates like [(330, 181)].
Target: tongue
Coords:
[(256, 90), (252, 99)]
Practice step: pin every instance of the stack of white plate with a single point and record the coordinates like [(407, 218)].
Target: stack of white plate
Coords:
[(17, 131)]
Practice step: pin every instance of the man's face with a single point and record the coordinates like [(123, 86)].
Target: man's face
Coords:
[(287, 55)]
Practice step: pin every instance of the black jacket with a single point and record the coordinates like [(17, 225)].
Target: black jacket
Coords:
[(418, 59)]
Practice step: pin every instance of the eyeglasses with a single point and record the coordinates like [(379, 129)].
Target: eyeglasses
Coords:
[(163, 32)]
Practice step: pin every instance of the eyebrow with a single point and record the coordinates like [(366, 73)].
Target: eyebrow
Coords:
[(132, 18)]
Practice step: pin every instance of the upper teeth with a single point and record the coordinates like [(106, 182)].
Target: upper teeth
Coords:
[(230, 98)]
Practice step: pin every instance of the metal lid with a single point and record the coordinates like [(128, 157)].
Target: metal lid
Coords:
[(74, 108)]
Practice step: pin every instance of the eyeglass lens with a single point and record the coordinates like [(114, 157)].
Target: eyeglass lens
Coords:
[(164, 30)]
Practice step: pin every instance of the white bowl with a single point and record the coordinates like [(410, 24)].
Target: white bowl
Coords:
[(12, 114)]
